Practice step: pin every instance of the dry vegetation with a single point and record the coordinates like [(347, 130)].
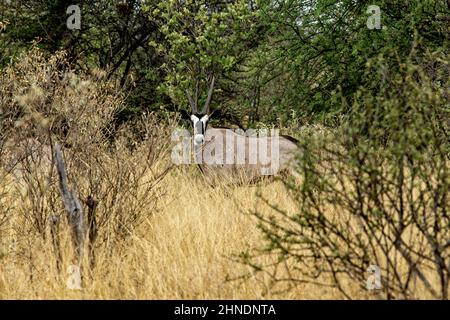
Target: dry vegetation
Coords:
[(184, 250), (159, 232)]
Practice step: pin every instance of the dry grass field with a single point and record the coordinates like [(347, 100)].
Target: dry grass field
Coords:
[(184, 250)]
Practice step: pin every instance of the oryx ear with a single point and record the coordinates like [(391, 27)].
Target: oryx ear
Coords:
[(194, 118), (205, 118)]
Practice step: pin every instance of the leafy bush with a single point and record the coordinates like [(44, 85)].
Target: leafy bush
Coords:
[(375, 192)]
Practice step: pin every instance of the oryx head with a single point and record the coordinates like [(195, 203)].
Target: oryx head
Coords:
[(200, 119)]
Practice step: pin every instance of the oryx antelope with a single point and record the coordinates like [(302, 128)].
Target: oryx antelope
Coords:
[(226, 154)]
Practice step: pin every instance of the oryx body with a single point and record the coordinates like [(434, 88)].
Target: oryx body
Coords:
[(229, 155), (232, 156)]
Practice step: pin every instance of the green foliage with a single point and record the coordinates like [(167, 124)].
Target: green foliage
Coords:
[(283, 62), (113, 37), (202, 40), (375, 191), (315, 49)]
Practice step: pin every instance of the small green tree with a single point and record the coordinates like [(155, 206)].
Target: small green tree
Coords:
[(203, 39)]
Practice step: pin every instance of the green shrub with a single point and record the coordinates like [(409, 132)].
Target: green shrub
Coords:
[(376, 192)]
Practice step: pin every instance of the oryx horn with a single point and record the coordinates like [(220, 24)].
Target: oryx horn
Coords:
[(191, 102), (208, 100)]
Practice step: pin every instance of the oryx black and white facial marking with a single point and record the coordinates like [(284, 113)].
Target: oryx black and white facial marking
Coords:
[(200, 120), (199, 123)]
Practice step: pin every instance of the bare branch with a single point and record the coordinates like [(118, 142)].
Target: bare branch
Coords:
[(71, 204)]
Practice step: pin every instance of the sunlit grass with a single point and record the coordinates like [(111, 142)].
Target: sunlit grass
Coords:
[(185, 250)]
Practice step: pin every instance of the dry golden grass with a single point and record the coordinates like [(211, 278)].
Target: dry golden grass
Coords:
[(183, 251)]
